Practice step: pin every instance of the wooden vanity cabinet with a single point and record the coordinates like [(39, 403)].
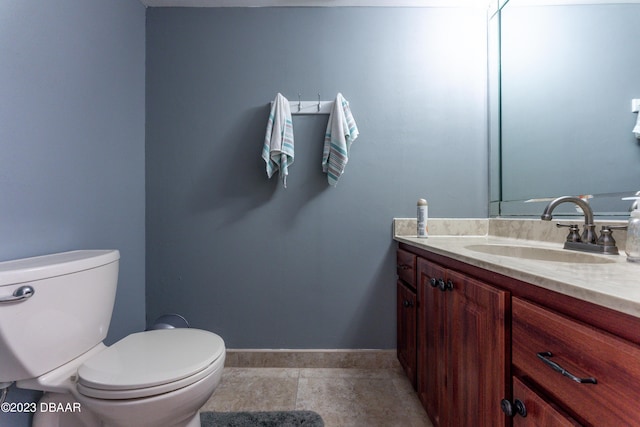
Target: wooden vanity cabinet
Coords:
[(479, 336), (462, 348), (406, 312)]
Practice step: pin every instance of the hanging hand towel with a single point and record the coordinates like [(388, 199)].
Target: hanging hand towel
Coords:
[(341, 132), (277, 150), (636, 129)]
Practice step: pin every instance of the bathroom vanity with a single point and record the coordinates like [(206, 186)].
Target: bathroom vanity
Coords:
[(498, 339)]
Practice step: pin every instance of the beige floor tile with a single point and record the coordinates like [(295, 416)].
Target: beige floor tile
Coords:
[(255, 389), (412, 406), (356, 401), (343, 397)]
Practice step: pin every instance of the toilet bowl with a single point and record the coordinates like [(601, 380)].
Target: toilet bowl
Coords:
[(152, 378)]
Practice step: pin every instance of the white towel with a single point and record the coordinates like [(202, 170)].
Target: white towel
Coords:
[(636, 130), (341, 132), (277, 150)]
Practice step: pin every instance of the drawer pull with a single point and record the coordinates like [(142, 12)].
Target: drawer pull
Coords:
[(513, 409), (544, 357), (405, 267)]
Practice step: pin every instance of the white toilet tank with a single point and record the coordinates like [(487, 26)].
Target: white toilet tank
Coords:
[(67, 314)]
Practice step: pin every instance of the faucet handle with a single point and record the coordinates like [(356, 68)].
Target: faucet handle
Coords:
[(614, 227), (574, 232), (606, 236), (606, 240)]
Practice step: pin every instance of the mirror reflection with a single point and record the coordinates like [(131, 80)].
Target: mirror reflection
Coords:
[(568, 74)]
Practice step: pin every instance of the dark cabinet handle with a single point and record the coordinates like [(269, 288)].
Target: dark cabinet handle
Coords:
[(404, 267), (440, 283), (513, 409), (407, 303), (445, 286), (544, 355)]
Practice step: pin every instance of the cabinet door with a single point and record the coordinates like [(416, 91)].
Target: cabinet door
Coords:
[(406, 333), (432, 384), (462, 348), (478, 354), (540, 413)]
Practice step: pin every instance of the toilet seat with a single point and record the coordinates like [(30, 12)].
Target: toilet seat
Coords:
[(150, 363)]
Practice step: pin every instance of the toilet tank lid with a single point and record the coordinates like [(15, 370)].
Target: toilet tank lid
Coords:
[(46, 266)]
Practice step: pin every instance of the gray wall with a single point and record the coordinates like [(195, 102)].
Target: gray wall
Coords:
[(308, 266), (72, 139)]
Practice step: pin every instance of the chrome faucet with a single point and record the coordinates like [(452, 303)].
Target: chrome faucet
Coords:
[(587, 242)]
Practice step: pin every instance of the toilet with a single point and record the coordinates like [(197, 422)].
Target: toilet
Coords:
[(55, 312)]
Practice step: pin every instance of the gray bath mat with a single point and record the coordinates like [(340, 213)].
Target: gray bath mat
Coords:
[(261, 419)]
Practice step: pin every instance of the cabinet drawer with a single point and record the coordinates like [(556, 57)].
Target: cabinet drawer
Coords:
[(406, 267), (540, 413), (584, 352)]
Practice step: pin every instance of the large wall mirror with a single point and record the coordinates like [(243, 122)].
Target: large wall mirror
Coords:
[(562, 76)]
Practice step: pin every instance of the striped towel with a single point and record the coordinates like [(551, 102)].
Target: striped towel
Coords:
[(277, 150), (341, 132)]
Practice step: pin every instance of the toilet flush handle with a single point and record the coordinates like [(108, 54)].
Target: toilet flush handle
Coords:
[(20, 294)]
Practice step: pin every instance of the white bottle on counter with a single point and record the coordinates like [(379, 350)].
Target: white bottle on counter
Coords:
[(633, 237), (423, 216)]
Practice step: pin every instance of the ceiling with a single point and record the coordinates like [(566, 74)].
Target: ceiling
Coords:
[(480, 4), (315, 3)]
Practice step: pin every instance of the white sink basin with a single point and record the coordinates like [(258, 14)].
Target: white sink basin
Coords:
[(540, 254)]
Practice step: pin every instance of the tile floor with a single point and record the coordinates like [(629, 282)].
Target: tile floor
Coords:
[(342, 396)]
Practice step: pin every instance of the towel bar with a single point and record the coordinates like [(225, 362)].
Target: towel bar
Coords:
[(310, 107)]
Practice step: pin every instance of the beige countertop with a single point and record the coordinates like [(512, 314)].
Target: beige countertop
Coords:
[(614, 285)]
